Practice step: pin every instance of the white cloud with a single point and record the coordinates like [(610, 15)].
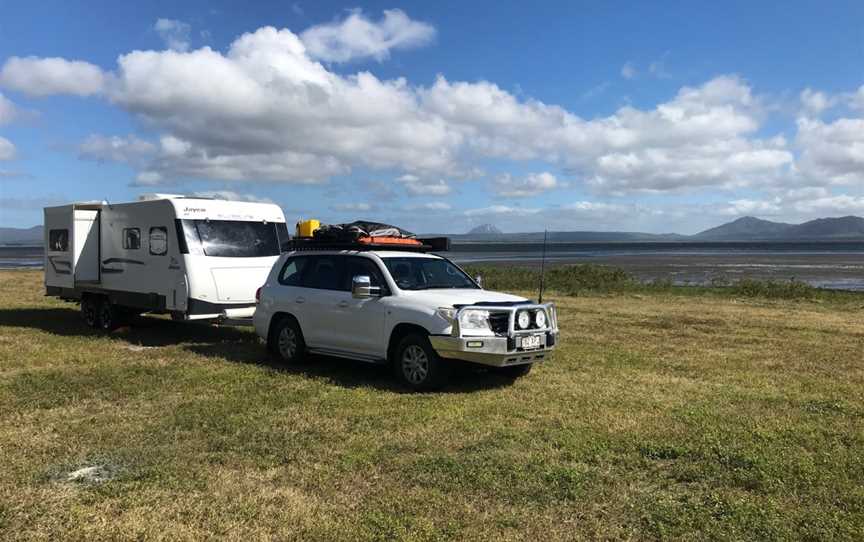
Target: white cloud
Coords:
[(813, 103), (7, 149), (437, 188), (230, 195), (148, 178), (47, 76), (431, 206), (628, 70), (831, 153), (359, 206), (531, 185), (174, 33), (8, 111), (129, 149), (749, 207), (357, 37), (502, 211)]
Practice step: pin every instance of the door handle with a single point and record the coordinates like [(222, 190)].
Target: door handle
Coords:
[(300, 300), (343, 304)]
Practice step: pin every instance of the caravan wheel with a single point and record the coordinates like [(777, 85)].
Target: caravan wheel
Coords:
[(90, 311), (108, 316)]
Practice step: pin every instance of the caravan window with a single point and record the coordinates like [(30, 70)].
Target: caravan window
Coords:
[(58, 240), (131, 238), (231, 238), (158, 240)]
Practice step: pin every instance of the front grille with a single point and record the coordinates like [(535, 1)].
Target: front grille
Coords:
[(500, 322)]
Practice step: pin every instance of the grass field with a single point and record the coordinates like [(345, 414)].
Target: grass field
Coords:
[(662, 415)]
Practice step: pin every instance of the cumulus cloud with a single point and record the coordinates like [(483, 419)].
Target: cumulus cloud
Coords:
[(501, 210), (357, 37), (174, 33), (532, 184), (266, 109), (46, 76), (129, 149), (7, 149), (8, 111), (831, 152)]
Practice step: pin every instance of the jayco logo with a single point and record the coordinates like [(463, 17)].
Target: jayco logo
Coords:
[(193, 210)]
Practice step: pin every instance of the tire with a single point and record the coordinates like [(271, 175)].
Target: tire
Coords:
[(417, 366), (109, 316), (90, 311), (286, 342), (514, 371)]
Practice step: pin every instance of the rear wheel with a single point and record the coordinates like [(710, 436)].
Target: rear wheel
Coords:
[(109, 315), (286, 341), (418, 366), (90, 311)]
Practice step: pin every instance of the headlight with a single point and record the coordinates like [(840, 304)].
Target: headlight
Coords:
[(474, 320), (523, 319), (540, 319)]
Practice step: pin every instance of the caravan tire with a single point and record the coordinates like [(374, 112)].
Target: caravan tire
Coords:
[(286, 341), (90, 311), (109, 316)]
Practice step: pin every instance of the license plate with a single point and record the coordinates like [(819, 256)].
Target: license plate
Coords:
[(531, 342)]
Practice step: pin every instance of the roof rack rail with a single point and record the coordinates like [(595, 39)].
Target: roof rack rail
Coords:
[(431, 244)]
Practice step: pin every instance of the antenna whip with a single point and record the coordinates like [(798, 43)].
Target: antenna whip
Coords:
[(542, 267)]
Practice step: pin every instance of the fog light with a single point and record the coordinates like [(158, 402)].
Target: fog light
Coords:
[(523, 319)]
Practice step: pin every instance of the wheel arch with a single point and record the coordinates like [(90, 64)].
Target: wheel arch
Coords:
[(277, 318), (400, 331)]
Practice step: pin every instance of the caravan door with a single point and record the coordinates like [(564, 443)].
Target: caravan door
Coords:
[(86, 245)]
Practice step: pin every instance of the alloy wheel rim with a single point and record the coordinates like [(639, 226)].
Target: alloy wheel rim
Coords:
[(287, 343), (415, 364)]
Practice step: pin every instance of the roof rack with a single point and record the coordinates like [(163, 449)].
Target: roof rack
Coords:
[(431, 244)]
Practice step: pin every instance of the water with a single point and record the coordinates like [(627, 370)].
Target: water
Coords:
[(828, 264), (837, 265)]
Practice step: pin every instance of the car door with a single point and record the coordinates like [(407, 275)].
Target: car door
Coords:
[(317, 300), (289, 295), (360, 321)]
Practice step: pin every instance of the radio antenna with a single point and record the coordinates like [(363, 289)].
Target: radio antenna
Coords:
[(542, 267)]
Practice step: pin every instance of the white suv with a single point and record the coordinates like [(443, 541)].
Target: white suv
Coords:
[(409, 309)]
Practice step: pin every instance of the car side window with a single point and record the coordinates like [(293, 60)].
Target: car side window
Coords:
[(323, 272), (292, 271), (357, 265)]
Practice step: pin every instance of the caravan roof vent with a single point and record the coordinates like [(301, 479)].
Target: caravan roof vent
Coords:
[(149, 197)]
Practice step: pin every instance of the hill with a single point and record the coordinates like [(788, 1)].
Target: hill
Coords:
[(21, 236), (750, 228), (485, 229)]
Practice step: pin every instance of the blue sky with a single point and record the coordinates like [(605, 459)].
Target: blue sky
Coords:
[(673, 116)]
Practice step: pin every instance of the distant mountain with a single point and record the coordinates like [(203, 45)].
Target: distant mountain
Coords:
[(21, 236), (568, 237), (755, 229), (485, 229), (747, 227)]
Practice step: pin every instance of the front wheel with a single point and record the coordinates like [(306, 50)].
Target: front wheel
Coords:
[(286, 342), (418, 366)]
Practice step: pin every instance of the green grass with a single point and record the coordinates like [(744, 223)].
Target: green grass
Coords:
[(663, 415)]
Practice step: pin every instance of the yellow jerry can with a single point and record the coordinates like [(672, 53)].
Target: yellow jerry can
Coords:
[(305, 228)]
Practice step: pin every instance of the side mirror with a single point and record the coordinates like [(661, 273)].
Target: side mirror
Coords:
[(361, 287), (479, 280)]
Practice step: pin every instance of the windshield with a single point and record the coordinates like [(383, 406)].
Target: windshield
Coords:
[(426, 273), (233, 238)]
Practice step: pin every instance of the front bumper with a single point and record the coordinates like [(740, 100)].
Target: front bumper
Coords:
[(492, 351)]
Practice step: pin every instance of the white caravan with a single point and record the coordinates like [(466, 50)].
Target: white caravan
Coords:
[(194, 258)]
